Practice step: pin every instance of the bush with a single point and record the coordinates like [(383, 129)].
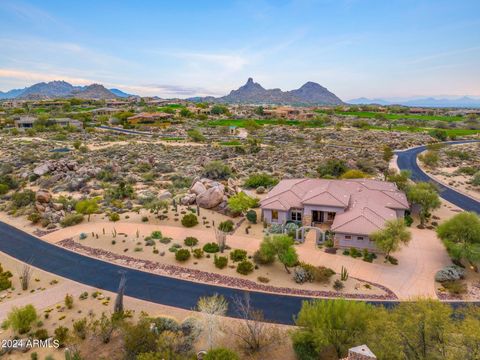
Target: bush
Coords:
[(476, 179), (190, 241), (69, 301), (157, 234), (21, 319), (24, 198), (408, 220), (323, 274), (61, 334), (238, 255), (217, 170), (5, 282), (220, 261), (189, 220), (455, 287), (197, 253), (182, 255), (80, 328), (114, 217), (251, 216), (300, 275), (226, 226), (245, 267), (41, 334), (263, 259), (332, 168), (338, 285), (4, 189), (392, 260), (71, 219), (221, 354), (260, 179), (211, 248), (353, 174)]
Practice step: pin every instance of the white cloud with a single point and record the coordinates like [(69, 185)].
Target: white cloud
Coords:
[(229, 62)]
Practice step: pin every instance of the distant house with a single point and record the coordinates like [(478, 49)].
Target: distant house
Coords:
[(148, 118), (105, 111), (352, 209), (26, 122)]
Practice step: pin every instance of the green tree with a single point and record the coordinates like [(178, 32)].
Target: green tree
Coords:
[(425, 195), (221, 354), (87, 207), (430, 158), (138, 338), (280, 247), (330, 324), (399, 178), (461, 236), (21, 319), (241, 202), (156, 205), (387, 154), (392, 236)]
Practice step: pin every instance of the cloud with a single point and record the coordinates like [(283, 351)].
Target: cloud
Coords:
[(441, 55), (38, 76), (29, 13), (180, 90)]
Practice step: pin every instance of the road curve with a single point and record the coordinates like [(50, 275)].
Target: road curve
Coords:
[(407, 160)]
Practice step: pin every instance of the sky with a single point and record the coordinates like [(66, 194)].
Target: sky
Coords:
[(355, 48)]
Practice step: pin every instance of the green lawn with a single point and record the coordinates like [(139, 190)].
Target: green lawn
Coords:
[(373, 115)]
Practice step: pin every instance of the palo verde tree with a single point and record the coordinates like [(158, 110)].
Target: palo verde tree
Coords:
[(87, 207), (279, 247), (461, 236), (424, 195), (392, 236)]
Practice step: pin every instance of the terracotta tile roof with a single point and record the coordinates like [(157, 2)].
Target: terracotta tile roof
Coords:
[(367, 203)]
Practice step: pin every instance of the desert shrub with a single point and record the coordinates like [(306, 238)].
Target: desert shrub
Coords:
[(226, 226), (441, 135), (263, 279), (455, 287), (157, 234), (34, 217), (21, 319), (332, 168), (190, 241), (322, 274), (238, 255), (221, 354), (354, 252), (300, 275), (251, 216), (71, 219), (211, 248), (275, 229), (392, 260), (291, 229), (220, 261), (41, 334), (5, 283), (353, 174), (23, 198), (80, 328), (166, 324), (217, 170), (69, 301), (189, 220), (61, 334), (182, 255), (245, 267), (165, 240), (338, 285), (260, 179), (476, 179), (408, 219), (114, 216), (4, 189), (197, 253), (263, 259)]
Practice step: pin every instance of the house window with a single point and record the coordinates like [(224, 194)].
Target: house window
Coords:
[(274, 214), (296, 215), (348, 237), (330, 216), (359, 237)]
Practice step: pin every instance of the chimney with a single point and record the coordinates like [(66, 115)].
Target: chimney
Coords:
[(361, 352)]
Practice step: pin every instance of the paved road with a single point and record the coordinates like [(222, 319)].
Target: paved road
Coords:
[(407, 160), (141, 285)]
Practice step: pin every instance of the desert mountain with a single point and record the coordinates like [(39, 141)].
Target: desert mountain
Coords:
[(253, 93), (61, 89)]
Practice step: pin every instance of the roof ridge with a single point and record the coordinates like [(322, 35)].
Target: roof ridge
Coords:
[(355, 218), (386, 192)]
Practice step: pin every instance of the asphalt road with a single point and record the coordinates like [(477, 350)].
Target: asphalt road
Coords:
[(407, 160)]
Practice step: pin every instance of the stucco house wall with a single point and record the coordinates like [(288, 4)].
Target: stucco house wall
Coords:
[(342, 242), (282, 216)]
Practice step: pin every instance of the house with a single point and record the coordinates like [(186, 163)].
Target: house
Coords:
[(148, 118), (352, 209), (26, 122)]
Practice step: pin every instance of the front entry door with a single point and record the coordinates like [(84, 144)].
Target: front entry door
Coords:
[(317, 216)]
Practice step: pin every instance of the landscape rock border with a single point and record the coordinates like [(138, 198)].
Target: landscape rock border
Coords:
[(214, 278)]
